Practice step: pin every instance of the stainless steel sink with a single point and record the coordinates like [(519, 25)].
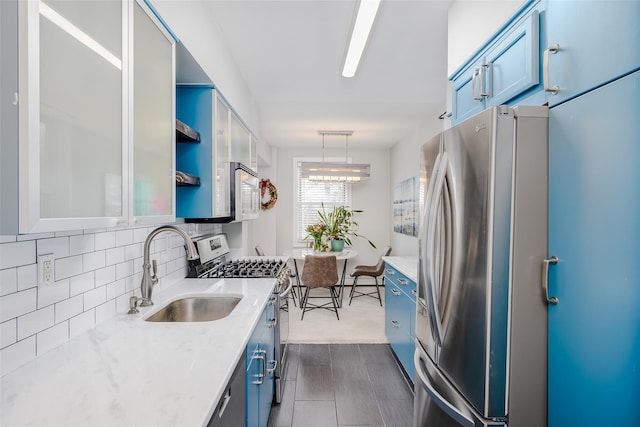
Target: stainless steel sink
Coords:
[(196, 309)]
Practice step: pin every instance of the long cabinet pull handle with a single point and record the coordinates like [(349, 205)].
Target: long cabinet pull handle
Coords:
[(395, 292), (389, 272), (261, 355), (545, 279), (403, 281), (545, 69), (474, 76), (395, 323), (484, 93)]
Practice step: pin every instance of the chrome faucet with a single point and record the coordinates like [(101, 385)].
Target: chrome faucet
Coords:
[(150, 279)]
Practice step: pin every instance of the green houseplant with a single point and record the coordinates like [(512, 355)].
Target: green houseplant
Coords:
[(340, 226)]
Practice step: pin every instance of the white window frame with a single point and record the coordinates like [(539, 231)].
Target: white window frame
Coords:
[(299, 242)]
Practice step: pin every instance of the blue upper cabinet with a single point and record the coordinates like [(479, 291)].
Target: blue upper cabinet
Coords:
[(589, 43), (507, 67)]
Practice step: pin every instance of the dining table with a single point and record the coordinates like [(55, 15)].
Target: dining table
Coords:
[(298, 254)]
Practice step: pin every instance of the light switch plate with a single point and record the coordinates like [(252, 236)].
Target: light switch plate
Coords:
[(46, 272)]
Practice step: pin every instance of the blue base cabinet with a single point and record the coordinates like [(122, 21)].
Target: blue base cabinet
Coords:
[(400, 313), (260, 369)]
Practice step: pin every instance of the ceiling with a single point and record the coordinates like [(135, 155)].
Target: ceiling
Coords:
[(290, 55)]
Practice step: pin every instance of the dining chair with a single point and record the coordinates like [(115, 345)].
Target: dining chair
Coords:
[(320, 272), (368, 271)]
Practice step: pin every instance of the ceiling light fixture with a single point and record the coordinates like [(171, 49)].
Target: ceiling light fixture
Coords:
[(335, 171), (367, 11)]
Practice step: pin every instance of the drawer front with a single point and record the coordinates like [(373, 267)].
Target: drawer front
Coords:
[(405, 284)]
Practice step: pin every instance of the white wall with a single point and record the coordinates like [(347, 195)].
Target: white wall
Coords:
[(471, 24), (372, 196), (264, 229), (405, 163), (188, 20)]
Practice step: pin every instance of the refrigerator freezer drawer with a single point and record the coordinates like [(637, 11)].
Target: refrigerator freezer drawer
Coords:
[(437, 403)]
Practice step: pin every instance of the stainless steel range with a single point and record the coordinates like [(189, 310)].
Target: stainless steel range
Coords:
[(213, 251)]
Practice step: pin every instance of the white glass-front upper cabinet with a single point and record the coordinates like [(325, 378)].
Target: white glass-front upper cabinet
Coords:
[(153, 184), (78, 115)]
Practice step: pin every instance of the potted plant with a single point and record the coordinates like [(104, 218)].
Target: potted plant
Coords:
[(340, 226)]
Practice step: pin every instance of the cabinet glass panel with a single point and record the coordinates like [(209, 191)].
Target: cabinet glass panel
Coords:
[(80, 120), (221, 206), (153, 121), (240, 142)]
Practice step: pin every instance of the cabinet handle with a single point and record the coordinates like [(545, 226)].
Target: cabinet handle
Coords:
[(545, 69), (389, 272), (414, 292), (263, 367), (545, 279), (395, 323), (475, 74), (484, 93), (272, 323), (273, 369), (395, 292), (403, 282), (225, 402)]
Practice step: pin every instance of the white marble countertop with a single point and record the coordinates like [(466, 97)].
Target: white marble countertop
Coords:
[(407, 265), (129, 372)]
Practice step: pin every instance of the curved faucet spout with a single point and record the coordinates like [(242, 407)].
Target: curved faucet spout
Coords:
[(150, 279)]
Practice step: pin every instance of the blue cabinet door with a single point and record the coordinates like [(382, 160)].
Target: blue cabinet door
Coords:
[(512, 64), (466, 92), (598, 42), (594, 230), (254, 369)]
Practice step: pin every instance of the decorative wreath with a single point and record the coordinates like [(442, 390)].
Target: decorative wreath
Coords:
[(273, 194)]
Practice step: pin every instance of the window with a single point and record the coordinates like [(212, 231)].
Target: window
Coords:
[(310, 195)]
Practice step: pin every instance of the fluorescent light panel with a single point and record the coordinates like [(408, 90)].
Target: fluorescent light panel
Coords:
[(361, 29), (79, 35), (337, 172)]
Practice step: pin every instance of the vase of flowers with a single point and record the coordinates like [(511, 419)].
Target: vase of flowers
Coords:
[(315, 231)]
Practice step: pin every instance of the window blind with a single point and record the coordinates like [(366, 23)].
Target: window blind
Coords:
[(310, 196)]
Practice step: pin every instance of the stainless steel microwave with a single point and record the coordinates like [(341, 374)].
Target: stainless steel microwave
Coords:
[(236, 198)]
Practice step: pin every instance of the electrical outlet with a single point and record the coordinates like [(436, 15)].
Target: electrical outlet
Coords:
[(46, 273)]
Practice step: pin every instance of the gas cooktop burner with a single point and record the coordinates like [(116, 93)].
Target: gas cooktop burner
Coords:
[(253, 268)]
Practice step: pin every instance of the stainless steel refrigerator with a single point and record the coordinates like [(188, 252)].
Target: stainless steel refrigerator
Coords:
[(481, 318)]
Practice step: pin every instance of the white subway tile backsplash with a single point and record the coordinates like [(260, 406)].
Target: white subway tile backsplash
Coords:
[(81, 244), (140, 234), (82, 323), (105, 240), (34, 322), (68, 267), (82, 283), (52, 338), (27, 276), (116, 289), (95, 297), (17, 304), (96, 271), (59, 247), (17, 354), (124, 237), (133, 251), (8, 332), (105, 275), (93, 261), (106, 311), (114, 256), (124, 269), (16, 254), (8, 281), (68, 308), (52, 294)]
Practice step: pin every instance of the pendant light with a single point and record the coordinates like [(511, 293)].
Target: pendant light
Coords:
[(335, 171)]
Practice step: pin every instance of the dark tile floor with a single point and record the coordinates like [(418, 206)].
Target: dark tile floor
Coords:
[(331, 385)]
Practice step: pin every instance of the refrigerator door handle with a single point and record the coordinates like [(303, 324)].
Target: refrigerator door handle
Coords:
[(545, 279), (437, 188), (422, 264), (437, 398)]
